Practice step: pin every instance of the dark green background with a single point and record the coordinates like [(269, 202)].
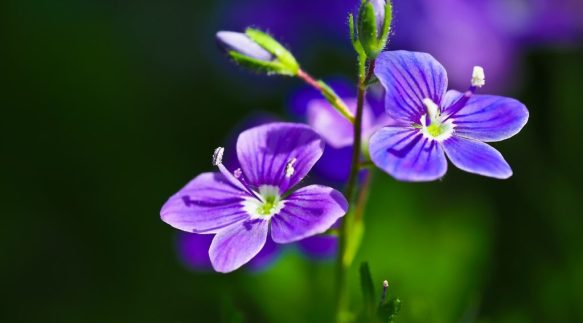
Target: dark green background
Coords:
[(109, 107)]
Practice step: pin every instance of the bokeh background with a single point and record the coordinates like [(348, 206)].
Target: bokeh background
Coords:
[(109, 107)]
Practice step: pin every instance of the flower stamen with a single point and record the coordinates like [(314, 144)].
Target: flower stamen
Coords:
[(267, 204), (289, 168), (218, 156), (478, 76)]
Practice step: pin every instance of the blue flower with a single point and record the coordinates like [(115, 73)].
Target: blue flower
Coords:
[(434, 122)]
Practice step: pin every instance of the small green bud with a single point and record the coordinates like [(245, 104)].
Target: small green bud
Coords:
[(373, 26)]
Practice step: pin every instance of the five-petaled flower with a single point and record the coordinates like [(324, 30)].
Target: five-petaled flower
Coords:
[(435, 122), (243, 207)]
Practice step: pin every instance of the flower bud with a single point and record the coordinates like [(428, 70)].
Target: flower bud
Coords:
[(258, 51), (374, 23), (240, 43)]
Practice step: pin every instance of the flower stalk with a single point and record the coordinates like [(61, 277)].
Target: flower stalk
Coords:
[(351, 228), (328, 93)]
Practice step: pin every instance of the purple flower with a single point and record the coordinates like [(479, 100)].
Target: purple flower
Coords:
[(241, 208), (437, 122)]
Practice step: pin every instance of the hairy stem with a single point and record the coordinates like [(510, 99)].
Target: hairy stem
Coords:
[(328, 93), (356, 211)]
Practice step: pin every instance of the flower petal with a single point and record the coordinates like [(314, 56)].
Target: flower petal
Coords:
[(238, 244), (488, 117), (407, 155), (265, 151), (205, 205), (408, 78), (308, 211), (193, 251), (476, 157)]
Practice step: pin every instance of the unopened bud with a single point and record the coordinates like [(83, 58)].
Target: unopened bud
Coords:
[(240, 43), (374, 22), (258, 51)]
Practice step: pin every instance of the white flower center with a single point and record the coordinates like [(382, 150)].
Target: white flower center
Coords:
[(267, 205), (433, 125)]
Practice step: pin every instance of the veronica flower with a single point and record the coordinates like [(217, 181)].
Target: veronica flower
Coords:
[(435, 122), (242, 207)]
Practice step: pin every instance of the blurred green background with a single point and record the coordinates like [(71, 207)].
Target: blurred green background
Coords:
[(110, 107)]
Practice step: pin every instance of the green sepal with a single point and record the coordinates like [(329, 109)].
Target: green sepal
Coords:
[(367, 30), (386, 26), (354, 37), (286, 61), (388, 311), (272, 67)]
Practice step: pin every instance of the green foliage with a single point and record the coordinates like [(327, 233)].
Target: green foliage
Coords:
[(376, 311), (387, 312), (368, 290)]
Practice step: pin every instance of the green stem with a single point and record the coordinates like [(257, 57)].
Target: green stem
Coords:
[(342, 266), (328, 93)]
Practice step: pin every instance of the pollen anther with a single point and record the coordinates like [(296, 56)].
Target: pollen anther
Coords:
[(289, 168), (478, 76), (218, 156)]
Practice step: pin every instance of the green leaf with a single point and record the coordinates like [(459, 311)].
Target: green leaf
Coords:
[(388, 312), (368, 290)]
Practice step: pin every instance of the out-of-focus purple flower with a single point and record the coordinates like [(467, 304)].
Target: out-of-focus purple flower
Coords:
[(492, 34), (440, 123), (308, 105), (240, 208), (319, 247), (297, 22), (536, 21), (193, 251)]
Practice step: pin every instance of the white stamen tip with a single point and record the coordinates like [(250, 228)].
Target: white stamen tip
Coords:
[(218, 156), (478, 76), (432, 108), (289, 168), (385, 284), (238, 172)]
